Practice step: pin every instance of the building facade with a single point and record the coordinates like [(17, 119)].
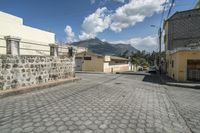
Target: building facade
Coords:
[(182, 45), (32, 41), (88, 61), (197, 4)]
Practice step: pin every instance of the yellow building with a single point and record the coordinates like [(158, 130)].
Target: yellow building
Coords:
[(182, 45), (88, 61), (31, 41)]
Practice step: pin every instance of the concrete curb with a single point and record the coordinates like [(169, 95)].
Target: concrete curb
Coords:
[(177, 84), (23, 90), (89, 72), (183, 86)]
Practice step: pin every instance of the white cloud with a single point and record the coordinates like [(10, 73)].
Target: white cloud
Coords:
[(123, 17), (70, 34), (148, 43), (95, 23), (133, 12)]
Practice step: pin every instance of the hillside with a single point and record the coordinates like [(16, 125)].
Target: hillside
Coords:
[(105, 48)]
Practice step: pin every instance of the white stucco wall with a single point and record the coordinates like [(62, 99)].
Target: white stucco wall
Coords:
[(33, 41)]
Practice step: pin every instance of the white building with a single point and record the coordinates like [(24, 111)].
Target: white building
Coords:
[(31, 41)]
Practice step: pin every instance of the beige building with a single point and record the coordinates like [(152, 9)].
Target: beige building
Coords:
[(31, 41), (63, 49), (182, 45), (88, 61)]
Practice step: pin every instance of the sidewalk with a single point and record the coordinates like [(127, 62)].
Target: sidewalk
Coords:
[(22, 90), (171, 82)]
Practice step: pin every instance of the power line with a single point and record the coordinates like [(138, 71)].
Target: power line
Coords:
[(163, 12), (170, 9)]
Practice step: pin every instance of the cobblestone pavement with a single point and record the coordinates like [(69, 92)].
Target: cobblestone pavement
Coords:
[(187, 102), (101, 103)]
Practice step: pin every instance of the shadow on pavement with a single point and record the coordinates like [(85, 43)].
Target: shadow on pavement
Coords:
[(152, 78), (146, 77), (163, 79)]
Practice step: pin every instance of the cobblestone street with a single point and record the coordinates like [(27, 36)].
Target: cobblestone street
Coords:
[(104, 103)]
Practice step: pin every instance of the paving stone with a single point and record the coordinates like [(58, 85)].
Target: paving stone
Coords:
[(96, 104)]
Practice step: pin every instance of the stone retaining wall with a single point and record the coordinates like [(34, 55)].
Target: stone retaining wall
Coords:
[(26, 70)]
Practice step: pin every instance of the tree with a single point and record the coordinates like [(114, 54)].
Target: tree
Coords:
[(124, 55), (135, 61)]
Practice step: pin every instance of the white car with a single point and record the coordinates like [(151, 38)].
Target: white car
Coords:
[(152, 69)]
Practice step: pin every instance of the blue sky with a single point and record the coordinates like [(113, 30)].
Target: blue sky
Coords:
[(82, 16)]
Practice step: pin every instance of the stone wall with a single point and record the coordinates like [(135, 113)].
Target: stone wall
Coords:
[(26, 70)]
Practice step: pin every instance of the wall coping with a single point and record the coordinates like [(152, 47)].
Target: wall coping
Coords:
[(12, 38)]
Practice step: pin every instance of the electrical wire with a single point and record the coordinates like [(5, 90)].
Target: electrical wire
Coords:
[(170, 9), (163, 12)]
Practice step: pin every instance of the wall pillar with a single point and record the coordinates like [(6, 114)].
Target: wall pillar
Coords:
[(12, 45), (71, 53), (53, 50)]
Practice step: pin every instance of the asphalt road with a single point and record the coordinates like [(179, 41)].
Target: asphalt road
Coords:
[(104, 103)]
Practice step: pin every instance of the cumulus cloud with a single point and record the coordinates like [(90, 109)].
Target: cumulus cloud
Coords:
[(149, 43), (133, 12), (70, 34), (123, 17), (95, 23)]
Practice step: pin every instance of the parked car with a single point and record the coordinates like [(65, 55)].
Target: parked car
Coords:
[(152, 69)]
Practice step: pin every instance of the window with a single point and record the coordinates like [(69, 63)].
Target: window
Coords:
[(78, 57), (172, 63), (8, 47), (12, 47), (52, 51), (87, 58)]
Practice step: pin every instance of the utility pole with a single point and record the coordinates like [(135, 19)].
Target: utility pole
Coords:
[(160, 42)]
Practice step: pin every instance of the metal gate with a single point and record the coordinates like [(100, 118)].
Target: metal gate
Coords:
[(78, 62), (193, 70)]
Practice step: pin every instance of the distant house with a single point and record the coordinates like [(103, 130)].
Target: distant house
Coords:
[(63, 49), (88, 61), (182, 45), (28, 40)]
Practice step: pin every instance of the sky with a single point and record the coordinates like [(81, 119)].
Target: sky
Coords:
[(116, 21)]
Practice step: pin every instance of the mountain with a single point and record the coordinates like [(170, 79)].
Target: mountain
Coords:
[(105, 48)]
